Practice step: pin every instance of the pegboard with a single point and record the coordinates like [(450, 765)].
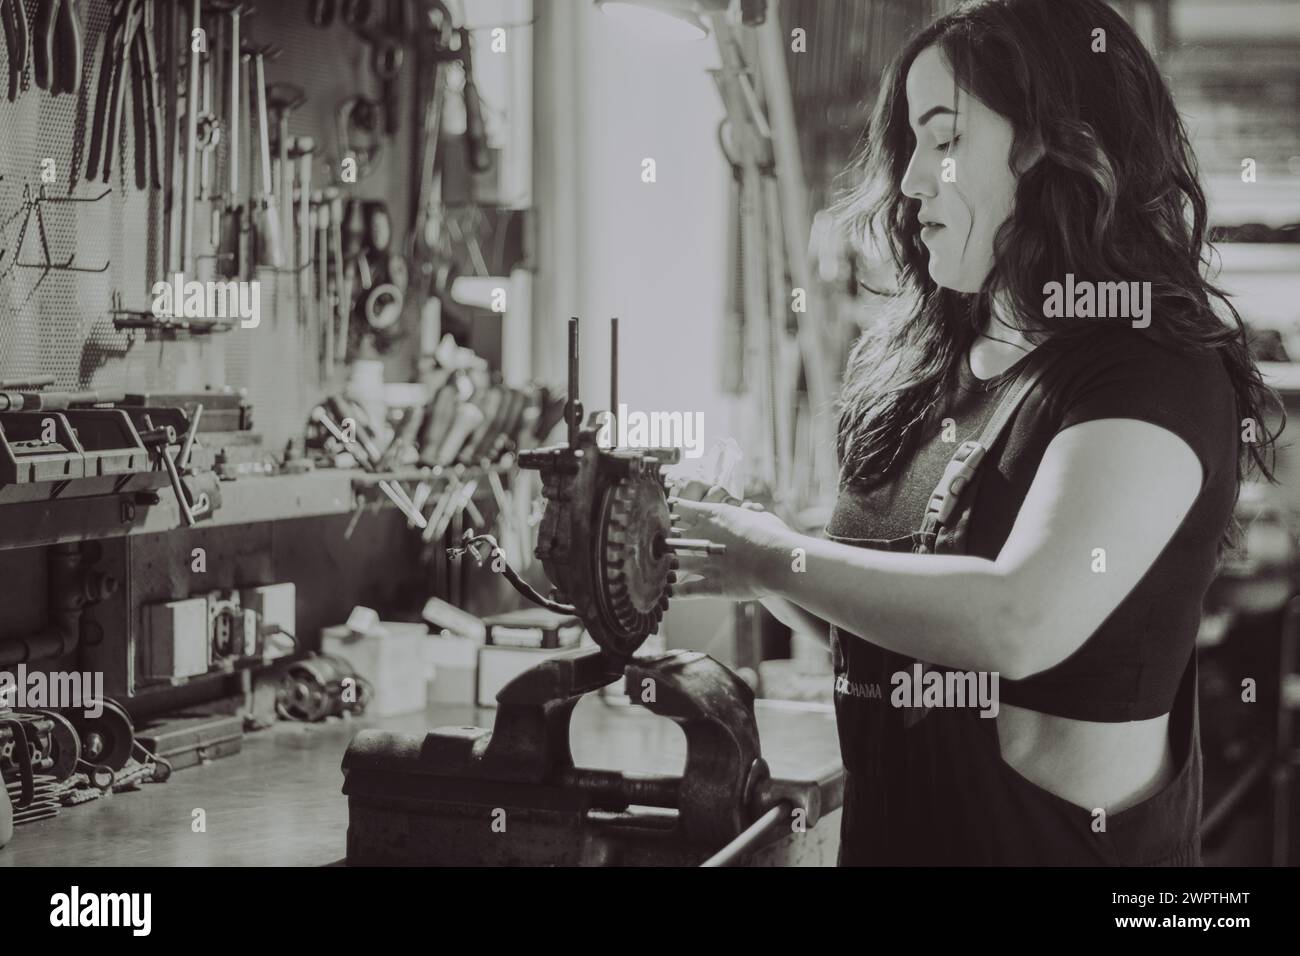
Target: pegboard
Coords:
[(58, 323)]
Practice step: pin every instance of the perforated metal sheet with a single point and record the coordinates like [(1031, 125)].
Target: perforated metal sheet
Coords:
[(58, 323)]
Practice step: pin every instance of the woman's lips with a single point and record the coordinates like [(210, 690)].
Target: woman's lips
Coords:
[(929, 232)]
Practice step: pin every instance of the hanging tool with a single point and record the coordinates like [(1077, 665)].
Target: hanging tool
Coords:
[(190, 170), (113, 63), (208, 131), (476, 144), (270, 250), (302, 150), (387, 56), (170, 48), (324, 314), (149, 123), (282, 99), (13, 15), (57, 46), (342, 279), (228, 213)]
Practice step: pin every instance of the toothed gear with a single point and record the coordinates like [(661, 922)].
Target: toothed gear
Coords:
[(631, 564)]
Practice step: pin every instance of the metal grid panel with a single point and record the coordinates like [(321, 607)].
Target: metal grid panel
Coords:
[(58, 323)]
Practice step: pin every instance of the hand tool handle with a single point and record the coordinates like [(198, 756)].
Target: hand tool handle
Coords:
[(475, 129), (67, 77), (468, 417), (43, 53)]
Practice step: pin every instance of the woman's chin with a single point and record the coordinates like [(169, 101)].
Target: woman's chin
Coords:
[(952, 279)]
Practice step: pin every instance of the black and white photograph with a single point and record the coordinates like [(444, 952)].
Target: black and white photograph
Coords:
[(650, 435)]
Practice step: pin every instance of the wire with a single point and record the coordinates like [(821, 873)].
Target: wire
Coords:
[(519, 584)]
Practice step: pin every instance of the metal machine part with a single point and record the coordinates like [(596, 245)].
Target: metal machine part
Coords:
[(606, 539), (108, 739), (319, 687)]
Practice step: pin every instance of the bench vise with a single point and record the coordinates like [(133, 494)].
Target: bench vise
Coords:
[(461, 796), (511, 796)]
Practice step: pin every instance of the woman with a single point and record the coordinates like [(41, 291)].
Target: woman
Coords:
[(1031, 699)]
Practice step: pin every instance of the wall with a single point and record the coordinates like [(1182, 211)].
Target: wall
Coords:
[(609, 95)]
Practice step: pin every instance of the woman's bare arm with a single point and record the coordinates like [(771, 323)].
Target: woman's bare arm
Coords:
[(1107, 498), (797, 618)]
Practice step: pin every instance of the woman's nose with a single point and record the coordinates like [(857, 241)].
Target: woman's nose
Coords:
[(921, 180)]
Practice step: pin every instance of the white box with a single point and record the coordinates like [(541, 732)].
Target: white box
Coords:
[(455, 669), (498, 666), (276, 605), (393, 658), (175, 639)]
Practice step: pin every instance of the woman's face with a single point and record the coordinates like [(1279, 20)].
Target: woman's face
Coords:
[(965, 199)]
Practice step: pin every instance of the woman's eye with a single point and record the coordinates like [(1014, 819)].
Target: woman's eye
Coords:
[(951, 142)]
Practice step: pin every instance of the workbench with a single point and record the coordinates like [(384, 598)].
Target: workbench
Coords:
[(279, 801)]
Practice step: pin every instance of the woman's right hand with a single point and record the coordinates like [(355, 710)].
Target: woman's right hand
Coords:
[(693, 489)]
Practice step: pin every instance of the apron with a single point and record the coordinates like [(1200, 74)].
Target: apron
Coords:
[(929, 786)]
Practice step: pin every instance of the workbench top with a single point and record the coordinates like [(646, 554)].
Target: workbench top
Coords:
[(279, 801)]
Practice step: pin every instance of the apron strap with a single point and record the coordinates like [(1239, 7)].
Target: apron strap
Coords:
[(970, 453)]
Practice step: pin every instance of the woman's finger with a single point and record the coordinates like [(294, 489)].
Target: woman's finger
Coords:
[(694, 509), (719, 495), (690, 489), (696, 586)]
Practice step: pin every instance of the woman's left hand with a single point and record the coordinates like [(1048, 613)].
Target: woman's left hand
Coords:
[(757, 542)]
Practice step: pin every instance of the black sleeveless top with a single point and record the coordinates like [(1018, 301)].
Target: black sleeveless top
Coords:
[(930, 786)]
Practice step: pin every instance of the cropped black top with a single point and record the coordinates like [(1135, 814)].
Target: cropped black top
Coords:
[(1130, 667)]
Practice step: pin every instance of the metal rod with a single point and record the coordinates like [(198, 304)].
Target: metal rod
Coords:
[(571, 406), (184, 457), (694, 544), (613, 368), (750, 837)]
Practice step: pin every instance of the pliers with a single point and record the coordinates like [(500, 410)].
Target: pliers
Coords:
[(57, 46), (14, 18)]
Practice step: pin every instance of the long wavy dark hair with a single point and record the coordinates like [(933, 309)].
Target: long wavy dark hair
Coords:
[(1115, 196)]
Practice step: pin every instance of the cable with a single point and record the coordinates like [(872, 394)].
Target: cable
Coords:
[(519, 584)]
